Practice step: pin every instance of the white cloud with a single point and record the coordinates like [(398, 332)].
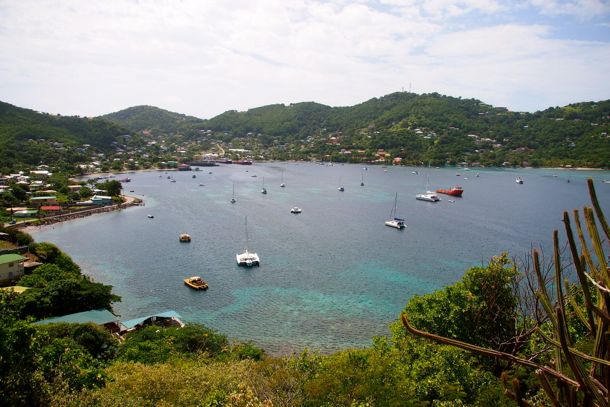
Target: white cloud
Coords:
[(202, 58)]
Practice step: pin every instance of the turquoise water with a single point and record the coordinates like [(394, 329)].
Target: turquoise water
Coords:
[(331, 277)]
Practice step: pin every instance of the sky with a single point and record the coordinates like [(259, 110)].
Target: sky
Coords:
[(202, 58)]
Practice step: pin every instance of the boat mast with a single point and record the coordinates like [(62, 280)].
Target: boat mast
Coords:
[(246, 234), (393, 212)]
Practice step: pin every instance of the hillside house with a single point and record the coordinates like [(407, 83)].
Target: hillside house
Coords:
[(11, 267), (43, 200)]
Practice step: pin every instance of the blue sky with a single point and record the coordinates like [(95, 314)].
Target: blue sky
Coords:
[(200, 58)]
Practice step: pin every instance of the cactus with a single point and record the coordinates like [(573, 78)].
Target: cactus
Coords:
[(571, 377)]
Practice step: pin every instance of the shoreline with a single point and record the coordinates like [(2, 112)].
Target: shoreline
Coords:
[(37, 224)]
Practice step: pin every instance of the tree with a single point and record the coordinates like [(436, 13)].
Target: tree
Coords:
[(19, 356), (479, 309), (113, 187)]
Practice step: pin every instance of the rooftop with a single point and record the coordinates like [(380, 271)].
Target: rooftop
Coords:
[(9, 258), (167, 314), (98, 316)]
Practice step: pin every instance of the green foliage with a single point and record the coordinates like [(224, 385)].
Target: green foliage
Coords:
[(479, 309), (28, 138), (85, 192), (155, 345), (59, 288), (363, 376), (64, 296), (196, 382), (65, 358), (34, 360), (20, 192), (43, 275), (113, 187), (430, 128), (50, 253), (95, 339), (140, 118), (19, 356), (247, 350), (17, 237)]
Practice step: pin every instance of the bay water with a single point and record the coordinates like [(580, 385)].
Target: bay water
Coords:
[(331, 277)]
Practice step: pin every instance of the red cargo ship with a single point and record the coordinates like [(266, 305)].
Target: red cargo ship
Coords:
[(455, 191)]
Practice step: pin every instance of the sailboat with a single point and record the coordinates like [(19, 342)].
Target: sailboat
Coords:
[(246, 258), (264, 190), (395, 222), (233, 199), (429, 196), (282, 185), (341, 189), (362, 180)]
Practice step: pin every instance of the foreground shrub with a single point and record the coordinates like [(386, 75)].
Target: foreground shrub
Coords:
[(156, 345), (196, 382)]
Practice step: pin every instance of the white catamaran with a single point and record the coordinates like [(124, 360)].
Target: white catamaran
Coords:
[(395, 222), (246, 258)]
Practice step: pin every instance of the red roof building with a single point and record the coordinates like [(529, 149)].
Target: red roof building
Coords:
[(50, 208)]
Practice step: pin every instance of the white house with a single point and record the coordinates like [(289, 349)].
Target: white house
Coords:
[(11, 267)]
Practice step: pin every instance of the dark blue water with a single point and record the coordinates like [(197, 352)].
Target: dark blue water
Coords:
[(331, 277)]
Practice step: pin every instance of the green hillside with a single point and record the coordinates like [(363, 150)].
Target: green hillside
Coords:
[(140, 118), (433, 128), (418, 129), (30, 138)]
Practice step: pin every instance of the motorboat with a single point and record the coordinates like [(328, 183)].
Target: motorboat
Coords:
[(341, 189), (295, 210), (395, 222), (455, 191), (428, 196), (151, 216), (196, 283), (519, 180), (185, 238), (246, 258)]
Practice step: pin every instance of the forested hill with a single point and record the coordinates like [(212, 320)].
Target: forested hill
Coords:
[(296, 120), (436, 128), (140, 118), (29, 137)]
